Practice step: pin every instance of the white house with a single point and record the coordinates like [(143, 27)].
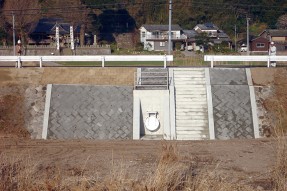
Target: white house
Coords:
[(155, 37), (209, 28)]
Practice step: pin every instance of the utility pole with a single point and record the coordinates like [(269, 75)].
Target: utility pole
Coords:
[(235, 38), (169, 27), (247, 20), (14, 40)]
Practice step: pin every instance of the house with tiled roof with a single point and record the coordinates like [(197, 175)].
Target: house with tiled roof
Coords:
[(216, 36), (155, 37), (45, 30), (278, 36)]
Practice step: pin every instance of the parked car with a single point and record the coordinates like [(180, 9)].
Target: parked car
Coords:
[(243, 48)]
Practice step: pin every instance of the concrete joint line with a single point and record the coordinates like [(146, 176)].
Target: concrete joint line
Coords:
[(172, 107), (253, 104), (136, 118), (209, 105), (249, 78), (166, 131), (47, 111)]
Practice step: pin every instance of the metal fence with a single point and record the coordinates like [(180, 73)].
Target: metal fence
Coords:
[(102, 59), (151, 80), (263, 58)]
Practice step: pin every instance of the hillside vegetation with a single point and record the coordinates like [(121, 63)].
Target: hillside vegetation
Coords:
[(106, 17)]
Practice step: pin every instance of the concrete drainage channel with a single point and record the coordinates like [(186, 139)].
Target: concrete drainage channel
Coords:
[(170, 104)]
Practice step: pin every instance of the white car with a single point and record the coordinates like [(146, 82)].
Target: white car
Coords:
[(243, 48)]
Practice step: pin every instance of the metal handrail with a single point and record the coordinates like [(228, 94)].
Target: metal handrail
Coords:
[(252, 58), (139, 82)]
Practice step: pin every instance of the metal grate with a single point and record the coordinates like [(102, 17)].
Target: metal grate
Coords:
[(151, 81)]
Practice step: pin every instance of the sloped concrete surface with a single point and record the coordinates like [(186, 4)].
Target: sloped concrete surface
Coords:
[(90, 112), (231, 104)]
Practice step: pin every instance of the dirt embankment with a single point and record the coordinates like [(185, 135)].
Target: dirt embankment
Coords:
[(83, 164)]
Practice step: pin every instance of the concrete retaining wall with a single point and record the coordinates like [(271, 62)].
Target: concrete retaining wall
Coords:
[(231, 104), (90, 112), (64, 51)]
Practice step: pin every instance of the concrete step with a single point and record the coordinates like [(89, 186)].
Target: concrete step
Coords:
[(191, 117), (182, 95), (187, 78), (192, 132), (189, 82), (188, 75), (192, 137), (195, 123), (191, 113), (200, 86), (152, 137), (153, 70), (191, 110), (198, 128), (189, 105), (195, 103), (198, 93), (156, 87), (190, 99), (188, 88), (191, 92), (188, 69)]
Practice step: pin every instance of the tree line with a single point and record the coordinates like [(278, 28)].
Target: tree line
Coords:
[(106, 17)]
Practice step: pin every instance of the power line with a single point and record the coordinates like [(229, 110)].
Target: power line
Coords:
[(158, 3)]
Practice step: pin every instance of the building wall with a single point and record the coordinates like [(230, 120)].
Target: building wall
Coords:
[(157, 45), (33, 51), (254, 46), (151, 103), (281, 39)]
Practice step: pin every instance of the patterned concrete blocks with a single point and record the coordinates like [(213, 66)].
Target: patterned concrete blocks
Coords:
[(90, 112), (231, 104)]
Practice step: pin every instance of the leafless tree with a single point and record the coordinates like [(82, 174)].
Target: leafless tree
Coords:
[(282, 22), (80, 17), (26, 12)]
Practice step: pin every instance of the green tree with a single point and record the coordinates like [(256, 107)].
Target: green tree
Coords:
[(203, 40)]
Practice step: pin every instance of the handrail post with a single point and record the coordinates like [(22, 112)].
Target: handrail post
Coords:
[(212, 59), (164, 59), (103, 61), (268, 62), (18, 62), (40, 61)]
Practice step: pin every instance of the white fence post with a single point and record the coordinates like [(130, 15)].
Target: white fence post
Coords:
[(212, 58), (18, 62), (164, 60), (103, 61), (40, 62), (268, 62)]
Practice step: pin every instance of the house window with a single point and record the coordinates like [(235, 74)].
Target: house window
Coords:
[(260, 45), (143, 34), (161, 43)]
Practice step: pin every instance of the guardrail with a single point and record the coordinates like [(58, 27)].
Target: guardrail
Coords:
[(103, 59), (263, 58), (151, 80)]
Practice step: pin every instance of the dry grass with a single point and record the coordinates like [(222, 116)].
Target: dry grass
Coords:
[(174, 172), (279, 177)]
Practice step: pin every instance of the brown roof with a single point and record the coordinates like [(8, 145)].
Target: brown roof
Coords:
[(276, 32), (161, 27)]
